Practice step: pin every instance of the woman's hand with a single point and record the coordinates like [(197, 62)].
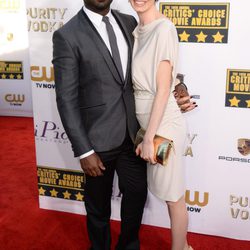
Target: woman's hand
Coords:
[(185, 103), (146, 151)]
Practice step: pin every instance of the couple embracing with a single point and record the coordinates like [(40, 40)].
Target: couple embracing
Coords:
[(112, 77)]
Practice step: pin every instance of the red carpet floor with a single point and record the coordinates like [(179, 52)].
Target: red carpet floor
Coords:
[(23, 226)]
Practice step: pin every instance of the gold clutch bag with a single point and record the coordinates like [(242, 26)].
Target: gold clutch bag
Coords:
[(162, 146)]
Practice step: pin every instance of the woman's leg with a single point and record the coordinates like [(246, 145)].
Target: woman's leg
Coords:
[(179, 224)]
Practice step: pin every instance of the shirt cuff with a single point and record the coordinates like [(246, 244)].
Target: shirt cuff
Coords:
[(87, 154)]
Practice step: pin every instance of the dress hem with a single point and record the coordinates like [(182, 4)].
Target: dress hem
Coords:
[(161, 197)]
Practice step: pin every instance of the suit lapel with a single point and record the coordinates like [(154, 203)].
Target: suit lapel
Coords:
[(127, 34), (101, 46)]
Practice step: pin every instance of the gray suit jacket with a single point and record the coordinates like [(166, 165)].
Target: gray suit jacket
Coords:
[(95, 105)]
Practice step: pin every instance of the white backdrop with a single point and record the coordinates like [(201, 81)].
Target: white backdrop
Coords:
[(215, 60), (15, 90)]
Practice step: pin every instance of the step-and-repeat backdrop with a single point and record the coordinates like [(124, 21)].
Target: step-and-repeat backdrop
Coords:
[(15, 90), (214, 56)]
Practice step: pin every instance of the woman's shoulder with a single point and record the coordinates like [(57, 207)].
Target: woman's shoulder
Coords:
[(165, 25), (158, 27)]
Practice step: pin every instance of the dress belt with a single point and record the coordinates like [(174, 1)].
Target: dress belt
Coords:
[(143, 93)]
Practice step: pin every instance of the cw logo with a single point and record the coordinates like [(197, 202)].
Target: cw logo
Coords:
[(17, 98), (197, 200), (39, 74)]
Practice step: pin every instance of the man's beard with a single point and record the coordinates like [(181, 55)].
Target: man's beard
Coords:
[(104, 5)]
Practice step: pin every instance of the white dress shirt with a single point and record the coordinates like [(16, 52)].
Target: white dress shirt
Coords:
[(100, 26)]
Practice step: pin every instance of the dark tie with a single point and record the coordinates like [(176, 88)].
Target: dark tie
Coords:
[(113, 45)]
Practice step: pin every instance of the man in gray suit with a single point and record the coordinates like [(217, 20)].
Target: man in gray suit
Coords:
[(96, 105)]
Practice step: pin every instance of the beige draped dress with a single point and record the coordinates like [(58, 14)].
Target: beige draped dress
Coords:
[(155, 42)]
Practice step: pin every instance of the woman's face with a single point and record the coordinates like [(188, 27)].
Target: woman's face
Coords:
[(141, 6)]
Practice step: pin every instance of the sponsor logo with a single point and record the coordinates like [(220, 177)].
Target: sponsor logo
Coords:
[(196, 201), (43, 76), (61, 183), (45, 19), (199, 22), (239, 207), (238, 88), (49, 131), (15, 99), (11, 70), (10, 5), (189, 150), (233, 159), (244, 146)]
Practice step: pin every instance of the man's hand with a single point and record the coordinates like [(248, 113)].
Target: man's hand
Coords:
[(92, 165), (185, 103)]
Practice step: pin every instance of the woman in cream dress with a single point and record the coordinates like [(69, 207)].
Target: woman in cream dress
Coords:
[(155, 55)]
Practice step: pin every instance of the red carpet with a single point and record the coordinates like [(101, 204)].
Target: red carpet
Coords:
[(23, 226)]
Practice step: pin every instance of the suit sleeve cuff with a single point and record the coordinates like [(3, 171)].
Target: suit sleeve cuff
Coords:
[(87, 154)]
